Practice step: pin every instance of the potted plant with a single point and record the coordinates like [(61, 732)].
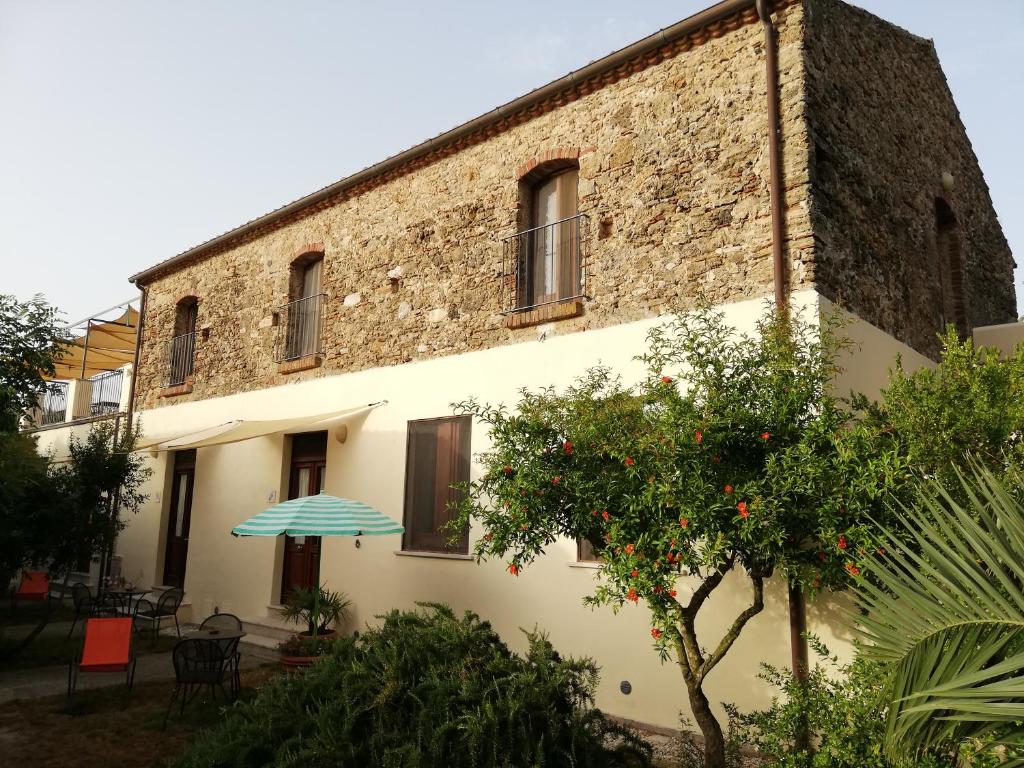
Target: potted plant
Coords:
[(301, 650)]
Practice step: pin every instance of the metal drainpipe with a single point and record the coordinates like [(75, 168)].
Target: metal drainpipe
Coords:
[(135, 360), (797, 602), (771, 61)]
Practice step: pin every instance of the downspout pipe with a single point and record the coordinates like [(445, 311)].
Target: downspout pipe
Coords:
[(775, 187), (797, 600)]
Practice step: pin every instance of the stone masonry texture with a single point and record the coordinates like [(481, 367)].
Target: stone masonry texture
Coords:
[(883, 128), (673, 176)]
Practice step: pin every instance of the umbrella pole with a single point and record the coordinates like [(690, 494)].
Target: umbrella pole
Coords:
[(316, 593)]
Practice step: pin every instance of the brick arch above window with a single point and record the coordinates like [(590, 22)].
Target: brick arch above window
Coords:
[(307, 253), (547, 163)]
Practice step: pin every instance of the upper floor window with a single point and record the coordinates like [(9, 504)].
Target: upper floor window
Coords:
[(952, 303), (546, 257), (181, 349), (437, 461), (301, 316)]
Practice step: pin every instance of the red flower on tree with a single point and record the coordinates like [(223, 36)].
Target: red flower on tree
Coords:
[(655, 633), (852, 569), (488, 536), (513, 569), (742, 507), (567, 447), (605, 515), (666, 379), (841, 543), (556, 479), (672, 593), (683, 522), (507, 469), (658, 589), (629, 461), (634, 573), (632, 595), (593, 513), (698, 436), (629, 549), (765, 436), (728, 489)]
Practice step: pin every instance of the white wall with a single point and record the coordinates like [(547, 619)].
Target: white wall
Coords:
[(233, 482)]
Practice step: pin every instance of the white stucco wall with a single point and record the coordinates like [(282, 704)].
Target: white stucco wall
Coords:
[(241, 576)]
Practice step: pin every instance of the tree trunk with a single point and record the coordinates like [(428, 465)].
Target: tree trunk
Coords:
[(714, 740), (798, 646)]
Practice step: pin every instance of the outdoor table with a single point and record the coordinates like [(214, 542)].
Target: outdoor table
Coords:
[(122, 598), (214, 634)]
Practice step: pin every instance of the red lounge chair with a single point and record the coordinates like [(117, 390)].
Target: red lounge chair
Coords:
[(107, 648), (34, 586)]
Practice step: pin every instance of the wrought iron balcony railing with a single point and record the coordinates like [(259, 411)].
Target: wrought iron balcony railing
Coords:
[(180, 359), (55, 403), (545, 265), (106, 393), (298, 329)]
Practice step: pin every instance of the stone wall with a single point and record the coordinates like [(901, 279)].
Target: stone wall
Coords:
[(673, 171), (883, 130)]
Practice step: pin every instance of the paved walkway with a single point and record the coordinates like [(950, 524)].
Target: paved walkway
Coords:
[(52, 681)]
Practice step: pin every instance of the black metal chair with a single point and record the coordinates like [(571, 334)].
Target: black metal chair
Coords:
[(228, 622), (199, 664), (166, 607), (85, 604)]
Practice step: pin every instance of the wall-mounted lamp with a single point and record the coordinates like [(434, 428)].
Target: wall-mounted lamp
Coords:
[(948, 181)]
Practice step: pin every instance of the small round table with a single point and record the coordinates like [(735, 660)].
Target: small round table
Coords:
[(122, 599)]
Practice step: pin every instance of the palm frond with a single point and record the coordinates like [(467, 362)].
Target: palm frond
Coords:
[(945, 612)]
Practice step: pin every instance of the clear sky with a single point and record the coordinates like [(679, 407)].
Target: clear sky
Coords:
[(130, 131)]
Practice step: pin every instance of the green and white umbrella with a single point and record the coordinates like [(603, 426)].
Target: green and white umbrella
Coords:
[(319, 515)]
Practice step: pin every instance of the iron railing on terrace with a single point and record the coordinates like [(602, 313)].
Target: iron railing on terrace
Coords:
[(180, 359), (299, 328), (545, 264), (55, 403), (106, 393)]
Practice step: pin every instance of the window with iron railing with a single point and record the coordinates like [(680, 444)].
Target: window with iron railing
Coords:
[(545, 264), (180, 359), (55, 403), (106, 393), (299, 327)]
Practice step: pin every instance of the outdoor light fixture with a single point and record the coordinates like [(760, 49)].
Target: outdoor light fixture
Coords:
[(626, 687), (947, 181)]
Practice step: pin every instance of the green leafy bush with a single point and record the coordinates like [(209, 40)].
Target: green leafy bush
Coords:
[(845, 706), (425, 689)]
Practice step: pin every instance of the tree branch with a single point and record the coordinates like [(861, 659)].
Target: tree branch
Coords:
[(734, 631), (707, 587)]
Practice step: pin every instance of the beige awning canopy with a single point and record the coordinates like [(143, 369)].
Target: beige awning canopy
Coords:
[(240, 429), (106, 346)]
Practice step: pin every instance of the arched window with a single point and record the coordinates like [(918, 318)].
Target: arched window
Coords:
[(304, 309), (952, 304), (181, 351), (551, 240)]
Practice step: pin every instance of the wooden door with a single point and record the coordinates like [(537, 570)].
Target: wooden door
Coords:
[(180, 518), (302, 553)]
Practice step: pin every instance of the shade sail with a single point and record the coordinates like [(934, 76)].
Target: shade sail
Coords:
[(106, 346), (240, 429), (320, 515)]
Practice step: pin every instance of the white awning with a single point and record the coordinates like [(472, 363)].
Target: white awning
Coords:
[(241, 429)]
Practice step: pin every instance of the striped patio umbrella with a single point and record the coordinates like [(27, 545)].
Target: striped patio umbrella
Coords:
[(319, 515)]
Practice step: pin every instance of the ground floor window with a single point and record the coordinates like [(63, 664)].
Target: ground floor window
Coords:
[(180, 518), (437, 460)]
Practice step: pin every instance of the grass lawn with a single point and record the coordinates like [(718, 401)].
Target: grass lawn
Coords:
[(50, 650), (108, 726)]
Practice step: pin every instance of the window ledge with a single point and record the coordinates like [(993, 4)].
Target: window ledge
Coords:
[(548, 313), (178, 389), (585, 564), (435, 555), (303, 363)]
